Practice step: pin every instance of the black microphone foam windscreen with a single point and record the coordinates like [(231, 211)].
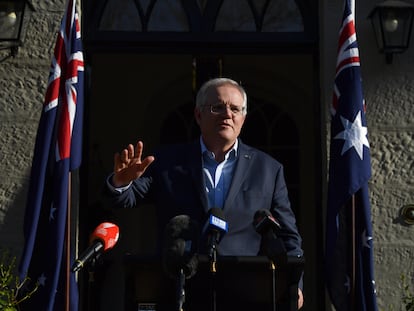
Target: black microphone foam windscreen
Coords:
[(181, 246), (264, 221)]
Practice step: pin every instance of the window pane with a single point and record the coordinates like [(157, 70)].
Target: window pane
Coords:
[(235, 15), (168, 15), (282, 15), (120, 15)]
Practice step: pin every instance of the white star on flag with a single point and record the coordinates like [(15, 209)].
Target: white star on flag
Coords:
[(52, 213), (42, 280), (354, 134), (365, 239)]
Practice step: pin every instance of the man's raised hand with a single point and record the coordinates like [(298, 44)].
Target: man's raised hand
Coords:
[(128, 165)]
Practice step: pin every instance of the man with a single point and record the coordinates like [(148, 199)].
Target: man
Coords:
[(218, 170)]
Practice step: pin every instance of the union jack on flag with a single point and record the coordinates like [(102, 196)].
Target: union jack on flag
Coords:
[(57, 152), (349, 243)]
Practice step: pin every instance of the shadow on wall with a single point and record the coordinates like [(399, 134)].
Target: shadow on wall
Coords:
[(12, 218)]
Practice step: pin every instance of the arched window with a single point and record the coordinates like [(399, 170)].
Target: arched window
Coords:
[(193, 16)]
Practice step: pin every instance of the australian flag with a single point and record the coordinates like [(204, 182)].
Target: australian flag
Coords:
[(57, 152), (349, 243)]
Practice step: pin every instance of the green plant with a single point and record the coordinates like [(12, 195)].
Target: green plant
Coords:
[(10, 287), (408, 297)]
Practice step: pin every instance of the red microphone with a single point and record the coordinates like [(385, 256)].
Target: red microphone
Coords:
[(104, 237)]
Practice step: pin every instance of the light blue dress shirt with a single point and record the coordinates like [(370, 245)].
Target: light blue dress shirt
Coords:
[(218, 176)]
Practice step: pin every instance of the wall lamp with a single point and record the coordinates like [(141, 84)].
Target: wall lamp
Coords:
[(407, 214), (12, 24), (392, 22)]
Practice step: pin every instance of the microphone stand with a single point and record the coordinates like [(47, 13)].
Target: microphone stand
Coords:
[(273, 268), (92, 287), (213, 262), (180, 290), (276, 253)]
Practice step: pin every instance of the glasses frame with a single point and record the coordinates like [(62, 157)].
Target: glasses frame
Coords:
[(227, 106)]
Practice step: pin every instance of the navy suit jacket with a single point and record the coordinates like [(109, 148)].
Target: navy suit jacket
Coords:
[(174, 182)]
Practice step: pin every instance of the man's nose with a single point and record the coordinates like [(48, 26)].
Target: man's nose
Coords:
[(227, 111)]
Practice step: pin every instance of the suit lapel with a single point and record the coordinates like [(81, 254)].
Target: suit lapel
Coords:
[(195, 166), (241, 171)]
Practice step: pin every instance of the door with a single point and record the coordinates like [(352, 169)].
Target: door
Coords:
[(145, 60), (151, 97)]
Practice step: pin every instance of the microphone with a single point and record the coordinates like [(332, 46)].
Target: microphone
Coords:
[(104, 237), (180, 259), (215, 228), (181, 246), (268, 227), (264, 222)]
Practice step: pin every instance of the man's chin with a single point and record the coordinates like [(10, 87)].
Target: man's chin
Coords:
[(226, 135)]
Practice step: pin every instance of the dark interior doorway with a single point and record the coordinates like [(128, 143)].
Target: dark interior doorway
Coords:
[(150, 97)]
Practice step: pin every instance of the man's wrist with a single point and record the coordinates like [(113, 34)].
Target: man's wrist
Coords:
[(110, 184)]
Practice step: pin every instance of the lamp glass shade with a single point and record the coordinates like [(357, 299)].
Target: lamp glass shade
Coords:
[(392, 23), (11, 17)]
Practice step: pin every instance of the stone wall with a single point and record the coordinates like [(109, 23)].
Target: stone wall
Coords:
[(23, 81), (390, 95)]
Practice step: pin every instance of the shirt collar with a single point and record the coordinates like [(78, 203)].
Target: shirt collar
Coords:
[(233, 149)]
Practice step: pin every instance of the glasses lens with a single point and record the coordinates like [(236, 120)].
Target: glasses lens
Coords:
[(218, 108), (221, 108), (235, 109)]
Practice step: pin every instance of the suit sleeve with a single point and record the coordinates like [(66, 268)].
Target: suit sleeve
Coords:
[(282, 211), (139, 190)]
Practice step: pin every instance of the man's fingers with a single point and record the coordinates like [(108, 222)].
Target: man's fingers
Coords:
[(130, 149), (138, 149), (147, 161), (124, 156)]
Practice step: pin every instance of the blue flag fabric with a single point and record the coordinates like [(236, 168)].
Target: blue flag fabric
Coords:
[(57, 152), (349, 244)]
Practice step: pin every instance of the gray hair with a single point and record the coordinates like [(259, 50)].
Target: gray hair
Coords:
[(201, 98)]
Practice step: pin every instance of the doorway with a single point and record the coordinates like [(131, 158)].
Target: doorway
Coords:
[(151, 96)]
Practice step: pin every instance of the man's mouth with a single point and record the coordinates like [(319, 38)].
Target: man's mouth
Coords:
[(225, 125)]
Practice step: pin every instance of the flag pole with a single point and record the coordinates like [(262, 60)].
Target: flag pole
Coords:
[(353, 213), (353, 264), (353, 253), (68, 246)]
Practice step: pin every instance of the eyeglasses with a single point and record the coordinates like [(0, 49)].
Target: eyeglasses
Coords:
[(222, 108)]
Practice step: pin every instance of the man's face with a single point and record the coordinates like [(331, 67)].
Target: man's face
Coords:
[(221, 126)]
